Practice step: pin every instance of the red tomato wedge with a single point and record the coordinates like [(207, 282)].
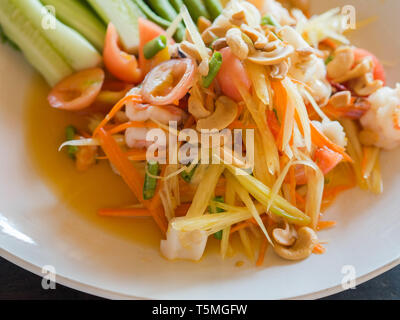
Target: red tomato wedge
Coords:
[(379, 71), (168, 82), (77, 91), (231, 68), (148, 31), (326, 159), (121, 65)]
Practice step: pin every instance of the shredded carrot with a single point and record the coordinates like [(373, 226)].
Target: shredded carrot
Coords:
[(124, 212), (281, 102), (320, 140), (319, 249), (299, 198), (182, 210), (131, 176), (322, 225), (330, 43), (261, 254), (246, 224), (132, 124), (115, 109)]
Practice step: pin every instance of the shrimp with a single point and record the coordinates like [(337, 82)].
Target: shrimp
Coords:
[(383, 118), (306, 66), (136, 137)]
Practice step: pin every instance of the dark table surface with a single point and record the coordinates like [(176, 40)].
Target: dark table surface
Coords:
[(16, 283)]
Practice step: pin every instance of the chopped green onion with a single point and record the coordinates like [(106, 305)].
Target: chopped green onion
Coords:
[(150, 183), (269, 20), (70, 133), (187, 176), (215, 65), (213, 210), (154, 46), (329, 59)]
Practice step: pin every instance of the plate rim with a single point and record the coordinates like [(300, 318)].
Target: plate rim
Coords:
[(113, 295)]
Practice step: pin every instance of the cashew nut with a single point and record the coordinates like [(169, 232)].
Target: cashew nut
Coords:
[(224, 114), (341, 63), (303, 247), (285, 237), (196, 105), (340, 99), (279, 71), (272, 57), (236, 43), (366, 85), (365, 66), (219, 44)]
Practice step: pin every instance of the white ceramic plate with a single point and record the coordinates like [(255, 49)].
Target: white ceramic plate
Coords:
[(37, 230)]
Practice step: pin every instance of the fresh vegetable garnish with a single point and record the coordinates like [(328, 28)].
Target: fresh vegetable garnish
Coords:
[(196, 9), (154, 46), (169, 81), (269, 20), (232, 68), (77, 91), (150, 183), (187, 176), (212, 209), (122, 65), (215, 66)]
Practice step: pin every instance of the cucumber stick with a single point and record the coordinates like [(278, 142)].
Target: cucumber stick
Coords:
[(78, 16), (36, 48), (197, 9), (75, 49), (177, 4), (124, 14), (163, 8), (163, 23)]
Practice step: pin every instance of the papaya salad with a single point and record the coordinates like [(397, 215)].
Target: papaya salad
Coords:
[(317, 109)]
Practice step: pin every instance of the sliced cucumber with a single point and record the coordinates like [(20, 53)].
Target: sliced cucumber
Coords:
[(124, 15), (76, 50), (37, 50), (152, 16), (78, 16), (163, 8)]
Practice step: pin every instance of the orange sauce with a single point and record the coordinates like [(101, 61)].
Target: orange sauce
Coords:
[(84, 193)]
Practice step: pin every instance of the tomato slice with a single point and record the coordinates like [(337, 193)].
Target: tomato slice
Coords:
[(169, 81), (77, 91), (122, 65), (327, 159), (231, 67), (148, 31), (379, 71)]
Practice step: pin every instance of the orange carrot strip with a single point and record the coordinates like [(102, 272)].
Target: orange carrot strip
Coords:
[(240, 125), (130, 175), (319, 249), (132, 124), (281, 101), (115, 109), (299, 198), (124, 212), (182, 209), (330, 43), (322, 225), (261, 254), (320, 140)]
